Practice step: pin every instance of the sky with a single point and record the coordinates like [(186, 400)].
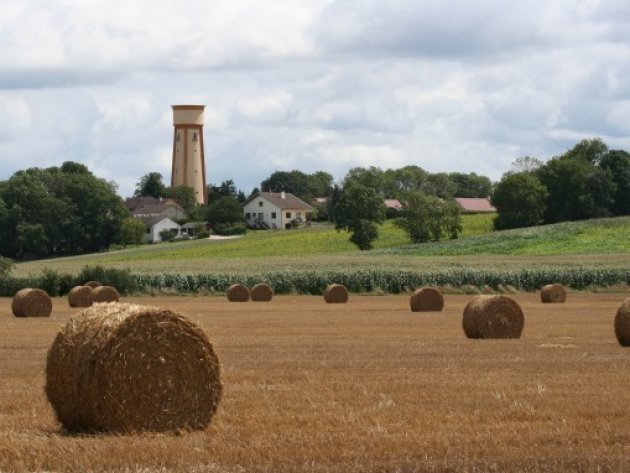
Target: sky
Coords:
[(450, 86)]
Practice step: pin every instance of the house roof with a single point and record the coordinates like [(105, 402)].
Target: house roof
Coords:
[(289, 201), (393, 204), (150, 221), (475, 205), (141, 203)]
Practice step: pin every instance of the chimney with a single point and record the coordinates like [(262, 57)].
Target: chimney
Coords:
[(282, 195)]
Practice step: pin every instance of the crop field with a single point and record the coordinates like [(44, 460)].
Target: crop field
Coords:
[(357, 387)]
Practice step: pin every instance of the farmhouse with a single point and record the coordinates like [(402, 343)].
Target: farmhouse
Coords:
[(155, 225), (157, 215), (470, 205), (271, 210)]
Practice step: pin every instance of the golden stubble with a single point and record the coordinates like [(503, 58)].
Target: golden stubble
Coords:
[(362, 386)]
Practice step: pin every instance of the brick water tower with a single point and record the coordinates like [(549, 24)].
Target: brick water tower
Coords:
[(189, 168)]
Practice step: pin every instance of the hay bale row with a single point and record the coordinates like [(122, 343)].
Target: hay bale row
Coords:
[(259, 293), (124, 368), (336, 294), (85, 296)]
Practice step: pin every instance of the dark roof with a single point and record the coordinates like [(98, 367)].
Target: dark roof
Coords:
[(134, 202), (150, 221), (289, 201), (141, 204), (475, 205)]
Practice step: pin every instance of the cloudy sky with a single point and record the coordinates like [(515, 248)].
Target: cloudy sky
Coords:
[(448, 85)]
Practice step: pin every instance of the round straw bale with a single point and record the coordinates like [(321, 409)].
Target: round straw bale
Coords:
[(125, 367), (261, 293), (105, 294), (31, 303), (80, 296), (493, 317), (237, 293), (93, 284), (426, 299), (553, 293), (622, 324), (336, 294)]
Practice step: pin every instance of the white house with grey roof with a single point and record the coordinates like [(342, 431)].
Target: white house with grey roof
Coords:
[(275, 210)]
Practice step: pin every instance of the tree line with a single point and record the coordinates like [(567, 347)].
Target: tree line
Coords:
[(587, 181)]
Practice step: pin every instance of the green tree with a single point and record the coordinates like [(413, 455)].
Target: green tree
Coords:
[(470, 185), (526, 164), (428, 218), (577, 189), (357, 209), (58, 211), (226, 216), (184, 196), (151, 185), (617, 162), (132, 231), (592, 150), (520, 201)]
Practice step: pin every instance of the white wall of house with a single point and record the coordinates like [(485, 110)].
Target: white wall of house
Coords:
[(164, 224), (275, 217)]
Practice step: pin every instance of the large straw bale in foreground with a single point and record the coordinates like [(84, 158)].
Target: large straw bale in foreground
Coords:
[(426, 299), (237, 293), (336, 294), (31, 303), (80, 296), (493, 317), (622, 324), (261, 293), (553, 293), (124, 367), (105, 294)]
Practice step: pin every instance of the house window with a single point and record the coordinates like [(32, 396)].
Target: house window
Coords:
[(273, 215), (288, 214), (247, 216), (260, 204)]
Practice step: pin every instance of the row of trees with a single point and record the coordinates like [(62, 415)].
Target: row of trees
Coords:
[(588, 181), (58, 211)]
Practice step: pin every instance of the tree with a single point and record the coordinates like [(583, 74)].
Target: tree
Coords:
[(428, 218), (151, 185), (589, 150), (470, 185), (184, 196), (132, 230), (577, 189), (617, 162), (526, 164), (226, 216), (305, 186), (357, 209), (520, 201), (58, 211)]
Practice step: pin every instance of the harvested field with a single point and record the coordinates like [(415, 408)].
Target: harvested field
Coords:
[(362, 386)]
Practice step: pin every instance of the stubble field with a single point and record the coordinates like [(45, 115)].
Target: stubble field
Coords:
[(365, 386)]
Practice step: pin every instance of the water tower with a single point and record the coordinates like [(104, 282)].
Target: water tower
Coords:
[(189, 168)]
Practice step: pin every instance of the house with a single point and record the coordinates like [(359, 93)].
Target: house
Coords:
[(155, 225), (273, 210), (393, 204), (474, 205), (155, 207)]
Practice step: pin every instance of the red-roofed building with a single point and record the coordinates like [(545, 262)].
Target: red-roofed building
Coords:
[(475, 205)]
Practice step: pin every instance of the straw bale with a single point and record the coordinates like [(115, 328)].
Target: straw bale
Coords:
[(622, 324), (426, 299), (105, 294), (31, 303), (493, 317), (553, 293), (124, 368), (80, 296), (336, 294), (261, 293), (93, 284), (237, 293)]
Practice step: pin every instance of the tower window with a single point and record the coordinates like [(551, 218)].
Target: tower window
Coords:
[(178, 137), (195, 136)]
